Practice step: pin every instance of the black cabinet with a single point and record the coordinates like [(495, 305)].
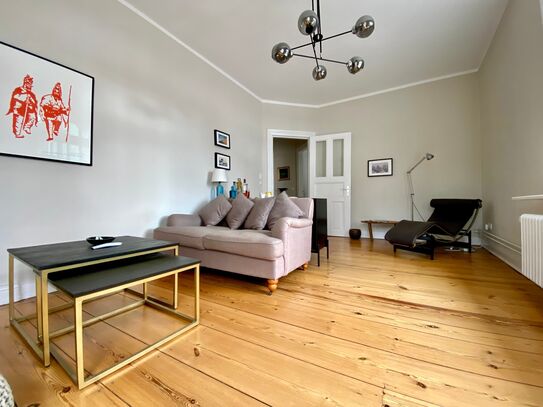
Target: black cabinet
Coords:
[(319, 236)]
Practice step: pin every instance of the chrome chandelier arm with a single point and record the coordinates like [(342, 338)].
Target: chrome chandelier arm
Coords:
[(324, 39), (320, 59), (315, 53)]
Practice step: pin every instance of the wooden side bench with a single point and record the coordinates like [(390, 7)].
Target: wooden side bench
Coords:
[(379, 222), (95, 281)]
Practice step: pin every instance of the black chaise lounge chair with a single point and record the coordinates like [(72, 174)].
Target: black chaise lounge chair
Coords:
[(451, 220)]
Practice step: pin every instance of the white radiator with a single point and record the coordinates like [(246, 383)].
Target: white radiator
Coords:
[(532, 247)]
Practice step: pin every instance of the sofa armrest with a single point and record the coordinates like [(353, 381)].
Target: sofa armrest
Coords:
[(184, 220), (281, 228), (296, 237)]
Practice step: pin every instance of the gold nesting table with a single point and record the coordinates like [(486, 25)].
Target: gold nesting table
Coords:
[(84, 274)]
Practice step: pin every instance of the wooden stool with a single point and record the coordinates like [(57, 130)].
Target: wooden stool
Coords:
[(379, 222)]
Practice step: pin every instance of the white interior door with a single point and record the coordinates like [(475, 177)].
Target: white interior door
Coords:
[(330, 178)]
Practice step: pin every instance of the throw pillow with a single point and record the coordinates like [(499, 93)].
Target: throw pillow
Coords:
[(259, 214), (215, 211), (283, 208), (241, 206)]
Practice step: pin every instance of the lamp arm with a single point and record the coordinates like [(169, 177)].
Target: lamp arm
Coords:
[(416, 165)]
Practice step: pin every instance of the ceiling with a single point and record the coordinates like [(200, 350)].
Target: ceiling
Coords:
[(414, 41)]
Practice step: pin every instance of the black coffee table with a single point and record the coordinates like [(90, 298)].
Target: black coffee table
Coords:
[(84, 274)]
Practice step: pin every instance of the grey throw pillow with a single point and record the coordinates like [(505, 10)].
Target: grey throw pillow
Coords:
[(259, 214), (241, 206), (283, 208), (215, 211)]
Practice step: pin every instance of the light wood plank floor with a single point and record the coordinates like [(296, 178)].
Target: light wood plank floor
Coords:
[(367, 328)]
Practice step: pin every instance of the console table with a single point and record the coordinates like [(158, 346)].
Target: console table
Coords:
[(84, 274), (379, 222)]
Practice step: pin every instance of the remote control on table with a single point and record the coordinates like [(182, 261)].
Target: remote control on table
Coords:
[(104, 245)]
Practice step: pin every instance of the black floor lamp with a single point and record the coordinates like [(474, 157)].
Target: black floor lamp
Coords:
[(427, 156)]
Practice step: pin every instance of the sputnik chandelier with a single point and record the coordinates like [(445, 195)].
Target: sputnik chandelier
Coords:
[(310, 23)]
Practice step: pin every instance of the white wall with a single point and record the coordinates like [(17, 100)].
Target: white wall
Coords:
[(302, 169), (511, 82), (155, 109), (440, 117)]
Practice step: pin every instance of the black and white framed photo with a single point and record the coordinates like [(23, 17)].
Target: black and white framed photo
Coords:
[(284, 173), (222, 161), (222, 139), (49, 108), (380, 168)]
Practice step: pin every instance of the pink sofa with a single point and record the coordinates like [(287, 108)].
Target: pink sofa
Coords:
[(270, 254)]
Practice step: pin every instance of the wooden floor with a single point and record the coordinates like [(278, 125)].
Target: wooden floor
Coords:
[(367, 328)]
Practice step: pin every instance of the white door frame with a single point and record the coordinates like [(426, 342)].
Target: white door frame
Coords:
[(293, 134)]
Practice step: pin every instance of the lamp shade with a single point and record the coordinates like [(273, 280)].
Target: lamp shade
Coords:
[(219, 175)]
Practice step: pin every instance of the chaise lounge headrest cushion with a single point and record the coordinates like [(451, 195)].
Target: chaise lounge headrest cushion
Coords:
[(453, 214)]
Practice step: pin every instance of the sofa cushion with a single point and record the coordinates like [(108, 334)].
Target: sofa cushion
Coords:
[(215, 211), (259, 214), (241, 206), (247, 243), (283, 208), (188, 236)]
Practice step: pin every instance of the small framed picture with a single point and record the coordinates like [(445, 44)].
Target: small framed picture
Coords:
[(222, 161), (222, 139), (380, 168), (284, 173)]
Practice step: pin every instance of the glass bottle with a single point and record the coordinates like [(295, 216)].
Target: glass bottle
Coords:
[(233, 191)]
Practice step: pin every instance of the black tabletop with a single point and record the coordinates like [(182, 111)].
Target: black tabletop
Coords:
[(49, 256), (102, 276)]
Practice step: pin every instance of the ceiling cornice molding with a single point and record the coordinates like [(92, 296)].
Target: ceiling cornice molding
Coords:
[(379, 92), (187, 47), (291, 104), (169, 34)]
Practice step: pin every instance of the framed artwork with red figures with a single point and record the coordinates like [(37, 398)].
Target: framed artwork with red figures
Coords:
[(47, 108)]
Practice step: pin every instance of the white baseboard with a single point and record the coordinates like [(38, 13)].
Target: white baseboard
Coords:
[(21, 291), (507, 252)]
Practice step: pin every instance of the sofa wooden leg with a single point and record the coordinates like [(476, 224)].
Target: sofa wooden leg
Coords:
[(272, 285), (303, 266)]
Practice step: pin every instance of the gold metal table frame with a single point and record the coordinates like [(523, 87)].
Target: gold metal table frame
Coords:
[(42, 344)]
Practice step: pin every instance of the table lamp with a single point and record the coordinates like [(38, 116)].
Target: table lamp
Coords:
[(219, 175)]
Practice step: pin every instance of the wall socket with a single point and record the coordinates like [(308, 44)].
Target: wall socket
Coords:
[(488, 227)]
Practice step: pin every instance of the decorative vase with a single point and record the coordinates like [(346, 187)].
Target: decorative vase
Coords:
[(355, 234)]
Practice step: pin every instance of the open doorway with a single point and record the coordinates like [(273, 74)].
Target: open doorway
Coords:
[(288, 162), (291, 165)]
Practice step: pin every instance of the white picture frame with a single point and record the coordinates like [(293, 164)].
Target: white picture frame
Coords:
[(50, 108)]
